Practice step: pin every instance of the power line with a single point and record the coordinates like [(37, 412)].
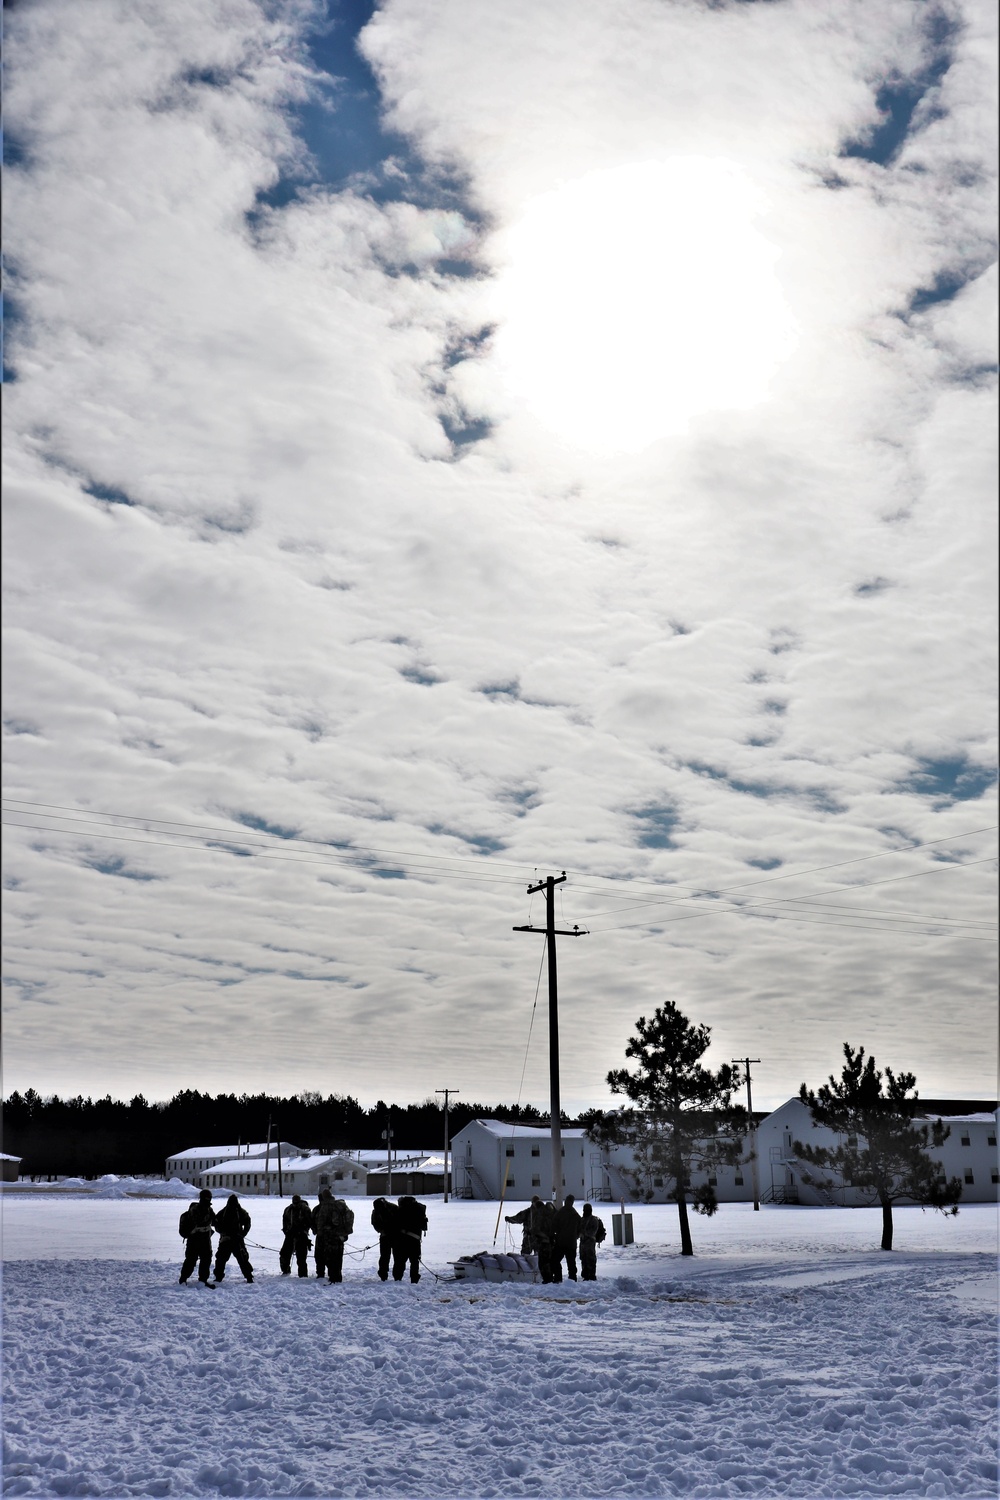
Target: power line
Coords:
[(791, 874), (356, 856), (83, 815)]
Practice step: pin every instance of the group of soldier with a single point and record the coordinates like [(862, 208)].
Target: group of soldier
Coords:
[(400, 1226), (553, 1235)]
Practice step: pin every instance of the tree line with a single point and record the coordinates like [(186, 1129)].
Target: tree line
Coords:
[(90, 1137)]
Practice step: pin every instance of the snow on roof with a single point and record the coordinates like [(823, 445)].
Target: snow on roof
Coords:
[(373, 1158), (4, 1157), (195, 1152), (528, 1132), (306, 1163), (961, 1119)]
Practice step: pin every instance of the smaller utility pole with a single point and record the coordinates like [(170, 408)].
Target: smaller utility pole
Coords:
[(387, 1137), (746, 1061), (446, 1093)]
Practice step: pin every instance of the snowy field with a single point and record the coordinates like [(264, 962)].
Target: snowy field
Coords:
[(790, 1357)]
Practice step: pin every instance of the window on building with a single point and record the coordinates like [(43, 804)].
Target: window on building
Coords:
[(510, 1182), (508, 1151), (991, 1140), (995, 1176), (536, 1181), (536, 1150), (713, 1181), (657, 1181), (968, 1175), (562, 1151), (338, 1176), (324, 1180), (739, 1180), (966, 1139)]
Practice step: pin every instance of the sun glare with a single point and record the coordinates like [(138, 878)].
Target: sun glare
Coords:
[(636, 298)]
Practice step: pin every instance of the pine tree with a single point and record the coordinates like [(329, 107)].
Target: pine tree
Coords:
[(682, 1118), (883, 1153)]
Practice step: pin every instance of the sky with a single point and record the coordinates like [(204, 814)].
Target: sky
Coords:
[(451, 444)]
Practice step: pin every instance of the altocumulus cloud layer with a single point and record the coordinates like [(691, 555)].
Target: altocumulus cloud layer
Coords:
[(300, 562)]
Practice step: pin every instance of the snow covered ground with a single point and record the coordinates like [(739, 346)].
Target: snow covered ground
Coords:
[(790, 1357)]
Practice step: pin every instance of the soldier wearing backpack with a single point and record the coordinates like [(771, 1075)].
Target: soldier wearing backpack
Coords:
[(384, 1220), (233, 1224), (334, 1221), (567, 1232), (296, 1223), (411, 1223), (592, 1233), (196, 1225), (542, 1224)]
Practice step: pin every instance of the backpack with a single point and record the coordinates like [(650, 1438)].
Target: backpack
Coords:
[(185, 1223), (384, 1216), (601, 1232), (342, 1220), (412, 1216)]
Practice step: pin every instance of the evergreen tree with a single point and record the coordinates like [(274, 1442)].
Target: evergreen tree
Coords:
[(883, 1153), (682, 1119)]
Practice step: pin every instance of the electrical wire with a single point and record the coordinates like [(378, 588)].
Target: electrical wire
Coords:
[(358, 858)]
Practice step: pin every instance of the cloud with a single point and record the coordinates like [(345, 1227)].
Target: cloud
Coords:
[(287, 559)]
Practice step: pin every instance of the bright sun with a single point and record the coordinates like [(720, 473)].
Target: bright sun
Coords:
[(635, 298)]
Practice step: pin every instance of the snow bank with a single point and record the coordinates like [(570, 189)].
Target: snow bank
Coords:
[(109, 1186), (807, 1364)]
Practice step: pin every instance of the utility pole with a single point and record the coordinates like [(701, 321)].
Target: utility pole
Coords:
[(746, 1061), (548, 885), (446, 1093), (387, 1137)]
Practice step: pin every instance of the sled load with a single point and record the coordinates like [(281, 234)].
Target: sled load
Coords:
[(489, 1267)]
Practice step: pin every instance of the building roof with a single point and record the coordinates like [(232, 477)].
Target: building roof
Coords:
[(193, 1153), (299, 1163), (542, 1131)]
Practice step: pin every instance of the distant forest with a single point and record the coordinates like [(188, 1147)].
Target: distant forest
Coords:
[(90, 1137)]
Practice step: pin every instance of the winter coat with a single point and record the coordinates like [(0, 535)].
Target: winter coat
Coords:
[(543, 1225), (233, 1222), (385, 1217), (592, 1230), (567, 1226), (333, 1216), (198, 1219), (412, 1217), (297, 1219)]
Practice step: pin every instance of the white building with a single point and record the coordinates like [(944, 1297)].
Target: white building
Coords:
[(189, 1165), (488, 1151), (969, 1153), (302, 1172), (491, 1159)]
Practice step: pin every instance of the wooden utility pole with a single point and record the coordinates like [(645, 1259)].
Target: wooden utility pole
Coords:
[(446, 1092), (548, 885), (746, 1061), (387, 1137)]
